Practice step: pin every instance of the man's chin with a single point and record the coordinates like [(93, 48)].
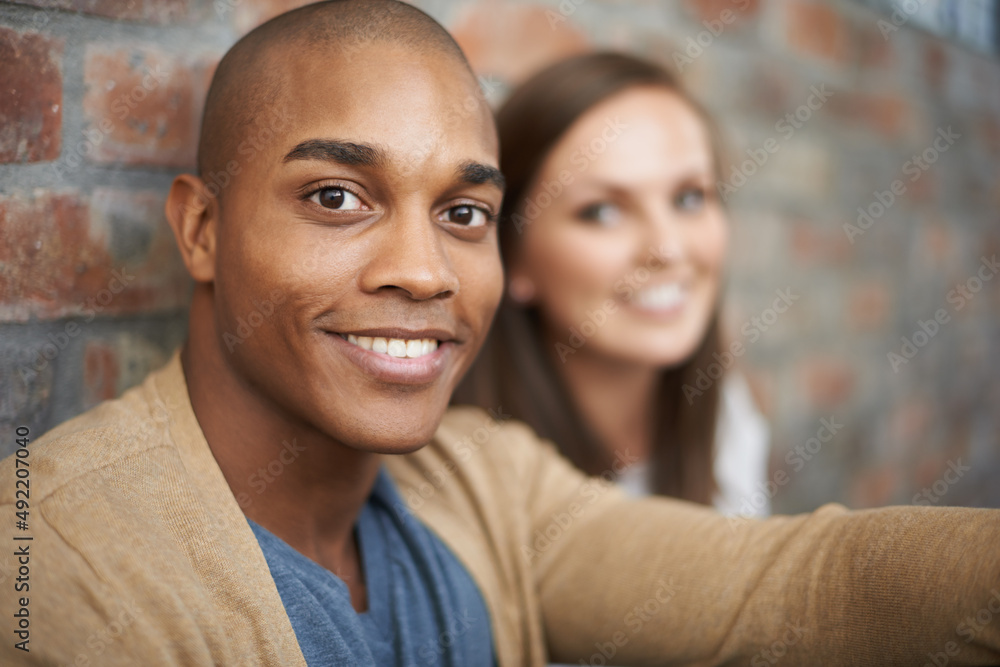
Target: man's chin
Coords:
[(397, 449), (401, 444), (398, 434)]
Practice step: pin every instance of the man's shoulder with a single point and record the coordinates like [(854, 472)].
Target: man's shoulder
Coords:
[(107, 435)]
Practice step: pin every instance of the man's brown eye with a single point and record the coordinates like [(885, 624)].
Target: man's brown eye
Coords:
[(337, 199), (331, 197), (464, 214)]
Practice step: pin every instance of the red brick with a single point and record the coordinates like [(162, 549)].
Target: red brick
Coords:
[(935, 63), (923, 189), (245, 15), (874, 488), (143, 106), (512, 42), (59, 260), (100, 373), (770, 92), (873, 49), (938, 242), (30, 96), (827, 381), (144, 11), (814, 243), (887, 114), (929, 469), (818, 30), (910, 421), (711, 10), (988, 129), (868, 306)]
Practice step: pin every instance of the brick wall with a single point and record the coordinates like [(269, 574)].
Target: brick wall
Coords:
[(100, 106)]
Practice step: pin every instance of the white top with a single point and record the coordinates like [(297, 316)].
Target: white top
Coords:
[(742, 448)]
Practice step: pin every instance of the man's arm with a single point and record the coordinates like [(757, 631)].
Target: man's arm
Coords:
[(661, 581)]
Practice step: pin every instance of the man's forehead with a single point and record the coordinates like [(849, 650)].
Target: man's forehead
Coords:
[(349, 45), (406, 107)]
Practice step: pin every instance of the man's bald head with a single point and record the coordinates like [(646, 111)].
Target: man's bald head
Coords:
[(247, 86)]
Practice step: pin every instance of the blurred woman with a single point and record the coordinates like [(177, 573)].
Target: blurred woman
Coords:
[(614, 244)]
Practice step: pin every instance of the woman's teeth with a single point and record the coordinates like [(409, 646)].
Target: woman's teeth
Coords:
[(394, 347), (660, 297)]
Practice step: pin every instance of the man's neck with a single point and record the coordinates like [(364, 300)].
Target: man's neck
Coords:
[(293, 480)]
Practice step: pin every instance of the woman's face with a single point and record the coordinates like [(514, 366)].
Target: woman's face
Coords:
[(624, 240)]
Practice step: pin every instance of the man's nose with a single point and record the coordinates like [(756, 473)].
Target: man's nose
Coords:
[(409, 254)]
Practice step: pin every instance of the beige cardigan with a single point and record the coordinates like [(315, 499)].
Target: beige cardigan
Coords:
[(142, 556)]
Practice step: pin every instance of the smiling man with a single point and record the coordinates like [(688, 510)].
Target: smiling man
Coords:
[(379, 245), (290, 490)]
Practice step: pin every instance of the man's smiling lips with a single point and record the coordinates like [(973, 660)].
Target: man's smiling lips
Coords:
[(397, 356)]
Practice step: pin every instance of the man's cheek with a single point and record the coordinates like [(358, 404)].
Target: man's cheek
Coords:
[(482, 281), (494, 288)]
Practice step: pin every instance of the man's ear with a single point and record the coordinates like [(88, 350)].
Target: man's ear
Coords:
[(193, 215)]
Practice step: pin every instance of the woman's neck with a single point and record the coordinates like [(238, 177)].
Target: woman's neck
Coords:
[(615, 399)]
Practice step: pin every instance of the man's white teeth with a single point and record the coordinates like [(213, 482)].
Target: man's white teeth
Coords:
[(660, 297), (395, 347)]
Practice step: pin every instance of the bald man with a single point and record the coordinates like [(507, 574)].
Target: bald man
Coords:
[(290, 489)]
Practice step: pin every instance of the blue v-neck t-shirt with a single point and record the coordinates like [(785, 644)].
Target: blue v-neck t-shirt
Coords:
[(423, 606)]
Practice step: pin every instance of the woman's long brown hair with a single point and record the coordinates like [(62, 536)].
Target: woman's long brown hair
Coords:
[(515, 371)]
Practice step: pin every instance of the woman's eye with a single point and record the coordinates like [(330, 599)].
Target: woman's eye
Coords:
[(690, 199), (337, 199), (467, 215), (604, 214)]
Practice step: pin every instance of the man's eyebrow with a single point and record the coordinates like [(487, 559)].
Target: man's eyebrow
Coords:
[(343, 152), (477, 174)]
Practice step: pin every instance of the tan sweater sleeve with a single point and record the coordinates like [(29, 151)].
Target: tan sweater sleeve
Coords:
[(80, 613), (660, 581)]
